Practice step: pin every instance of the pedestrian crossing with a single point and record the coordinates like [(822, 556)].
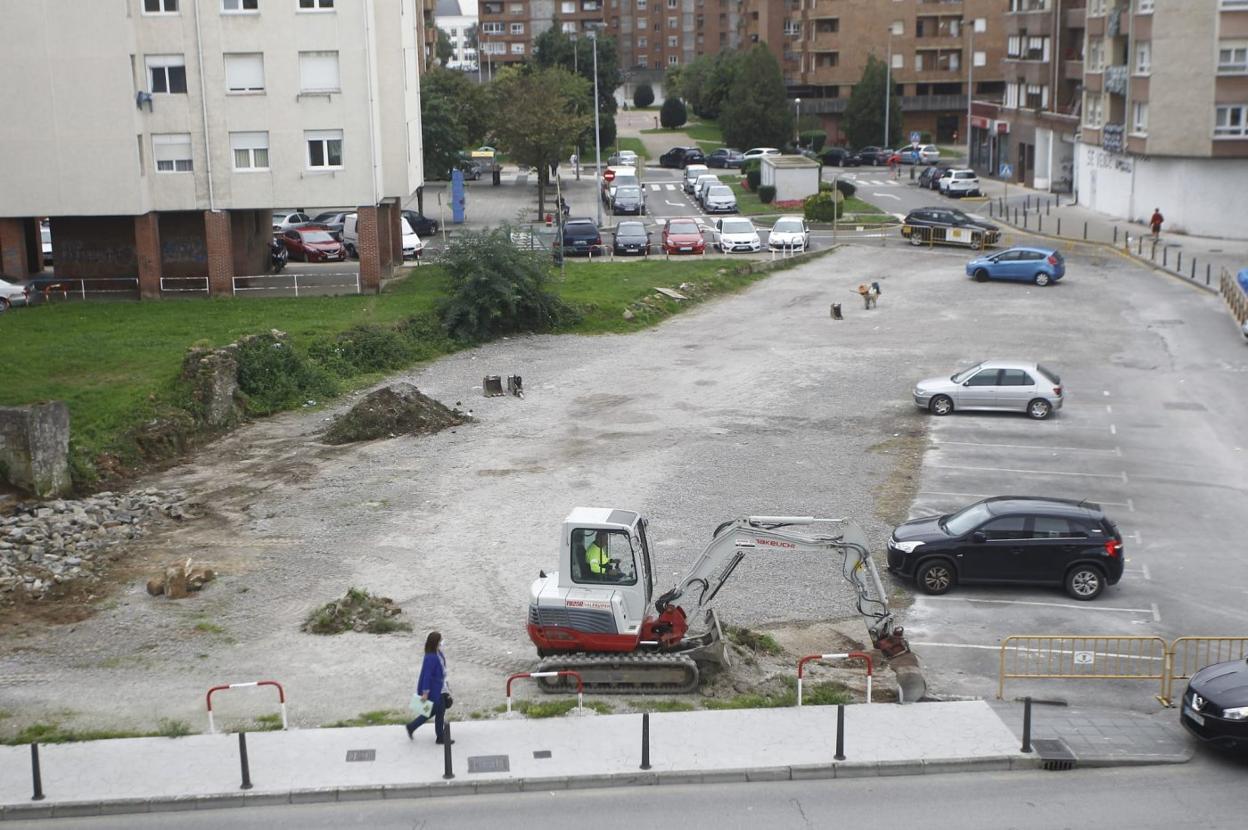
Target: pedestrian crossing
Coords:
[(665, 186)]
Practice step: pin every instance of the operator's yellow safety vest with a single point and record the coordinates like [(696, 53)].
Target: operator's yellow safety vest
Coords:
[(597, 559)]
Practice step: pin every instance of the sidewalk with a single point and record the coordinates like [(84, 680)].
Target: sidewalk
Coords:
[(514, 755)]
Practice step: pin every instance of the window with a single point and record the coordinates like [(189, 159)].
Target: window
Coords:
[(1013, 46), (1139, 117), (1144, 6), (672, 41), (987, 377), (899, 61), (641, 5), (1096, 55), (671, 4), (642, 61), (1231, 121), (671, 22), (1235, 4), (251, 150), (1143, 57), (793, 28), (240, 6), (172, 152), (244, 72), (1051, 527), (1005, 528), (672, 60), (641, 42), (1232, 57), (517, 48), (1016, 377), (568, 7), (1096, 7), (898, 27), (160, 6), (517, 28), (492, 28), (167, 73), (516, 8), (568, 27), (316, 5), (603, 556), (1094, 114), (324, 149), (318, 72)]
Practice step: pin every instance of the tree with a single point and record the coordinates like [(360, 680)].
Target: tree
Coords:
[(453, 112), (673, 114), (539, 116), (445, 50), (643, 96), (756, 111), (442, 136), (863, 122), (555, 48)]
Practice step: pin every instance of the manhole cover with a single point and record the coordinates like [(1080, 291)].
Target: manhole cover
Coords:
[(361, 755), (489, 763), (541, 753), (1185, 406)]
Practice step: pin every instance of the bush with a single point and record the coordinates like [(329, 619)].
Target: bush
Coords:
[(496, 288), (823, 207), (274, 376), (643, 96), (847, 188), (361, 350), (753, 179), (814, 139), (673, 114), (766, 194)]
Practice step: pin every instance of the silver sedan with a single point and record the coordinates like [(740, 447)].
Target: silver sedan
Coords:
[(1004, 385)]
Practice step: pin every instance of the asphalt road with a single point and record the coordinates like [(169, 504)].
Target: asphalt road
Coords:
[(1204, 794)]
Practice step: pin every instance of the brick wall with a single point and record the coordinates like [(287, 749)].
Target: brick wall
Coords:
[(252, 230), (368, 250), (16, 257), (219, 241), (146, 252)]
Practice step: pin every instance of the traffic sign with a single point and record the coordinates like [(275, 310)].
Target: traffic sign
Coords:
[(1006, 171), (609, 175), (914, 138)]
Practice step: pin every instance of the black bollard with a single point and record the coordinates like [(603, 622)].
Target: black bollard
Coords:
[(1085, 231), (447, 772), (1193, 274), (836, 311), (1059, 226), (840, 732), (1178, 266), (242, 758), (35, 773), (1115, 234), (1026, 724), (1165, 256), (991, 208), (1139, 246), (645, 740), (1039, 223), (1208, 265)]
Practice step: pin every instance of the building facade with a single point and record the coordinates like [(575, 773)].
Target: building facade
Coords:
[(163, 133), (1165, 112), (458, 18)]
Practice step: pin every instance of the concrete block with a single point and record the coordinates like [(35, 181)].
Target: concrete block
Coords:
[(253, 799), (125, 806), (769, 774), (948, 765), (680, 777), (811, 772), (68, 809), (174, 804), (1031, 761), (221, 801), (405, 791), (907, 767), (726, 776), (845, 769), (501, 785), (22, 812), (316, 796), (365, 793), (554, 782), (638, 779), (453, 787), (34, 448)]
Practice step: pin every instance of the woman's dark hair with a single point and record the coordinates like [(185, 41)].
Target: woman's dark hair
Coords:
[(432, 642)]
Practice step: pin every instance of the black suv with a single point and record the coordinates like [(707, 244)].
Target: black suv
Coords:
[(682, 157), (1018, 539), (948, 225), (581, 236), (421, 225)]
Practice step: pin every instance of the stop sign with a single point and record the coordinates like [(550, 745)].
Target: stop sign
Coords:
[(609, 175)]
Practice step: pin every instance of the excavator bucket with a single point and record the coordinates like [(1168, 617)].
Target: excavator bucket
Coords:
[(492, 386), (709, 645), (911, 687)]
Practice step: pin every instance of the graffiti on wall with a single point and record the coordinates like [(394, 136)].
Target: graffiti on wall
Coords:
[(183, 250), (1098, 158), (80, 252)]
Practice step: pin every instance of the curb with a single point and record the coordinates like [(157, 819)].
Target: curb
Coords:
[(372, 792)]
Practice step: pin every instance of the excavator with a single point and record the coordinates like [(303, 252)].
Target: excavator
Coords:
[(597, 615)]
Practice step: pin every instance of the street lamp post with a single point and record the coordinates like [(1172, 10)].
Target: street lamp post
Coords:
[(797, 125), (888, 86), (970, 74), (593, 36)]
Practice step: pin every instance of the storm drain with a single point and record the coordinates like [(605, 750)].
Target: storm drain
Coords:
[(1185, 406), (1054, 754), (541, 753), (361, 755), (489, 763)]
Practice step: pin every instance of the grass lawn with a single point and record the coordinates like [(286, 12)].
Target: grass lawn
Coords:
[(858, 212), (707, 131), (748, 203)]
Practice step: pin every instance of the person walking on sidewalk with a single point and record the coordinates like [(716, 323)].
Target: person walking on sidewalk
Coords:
[(432, 686), (1155, 223)]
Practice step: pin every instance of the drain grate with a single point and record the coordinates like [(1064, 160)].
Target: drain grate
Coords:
[(1185, 406), (541, 753), (1054, 754), (489, 763), (361, 755)]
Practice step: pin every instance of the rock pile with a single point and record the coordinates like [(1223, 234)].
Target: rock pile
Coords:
[(358, 611), (46, 544), (179, 580)]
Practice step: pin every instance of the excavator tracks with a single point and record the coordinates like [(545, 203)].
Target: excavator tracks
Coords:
[(618, 674)]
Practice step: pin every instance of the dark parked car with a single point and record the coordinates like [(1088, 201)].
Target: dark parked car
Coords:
[(422, 226), (1011, 539), (840, 157), (931, 174), (581, 236), (948, 225), (629, 199), (631, 238), (332, 221), (724, 157), (875, 156), (1215, 705), (313, 244), (681, 156)]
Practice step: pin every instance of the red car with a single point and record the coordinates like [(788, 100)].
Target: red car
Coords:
[(313, 244), (683, 236)]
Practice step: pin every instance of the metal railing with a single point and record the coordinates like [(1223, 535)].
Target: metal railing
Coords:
[(183, 285), (1188, 655), (281, 697), (86, 289), (295, 284)]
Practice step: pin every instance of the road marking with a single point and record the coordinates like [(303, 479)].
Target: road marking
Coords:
[(673, 204), (669, 187), (1113, 430), (1023, 447), (1122, 476), (887, 196), (1130, 504), (1109, 409), (989, 495), (1153, 610), (1105, 393), (1156, 613)]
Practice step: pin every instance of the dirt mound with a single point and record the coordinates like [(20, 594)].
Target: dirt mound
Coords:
[(357, 611), (398, 409)]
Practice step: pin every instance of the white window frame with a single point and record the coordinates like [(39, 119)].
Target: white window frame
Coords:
[(177, 164), (237, 59), (1240, 131), (1139, 118), (673, 23), (672, 60), (255, 146), (491, 28), (166, 7), (517, 28), (517, 48), (324, 138), (240, 6), (1144, 6), (314, 6), (568, 27), (641, 41), (165, 62), (641, 5), (1096, 8), (567, 7), (1233, 66), (1096, 54), (673, 41), (310, 55), (1143, 63)]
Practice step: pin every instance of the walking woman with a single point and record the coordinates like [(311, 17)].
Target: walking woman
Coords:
[(432, 686)]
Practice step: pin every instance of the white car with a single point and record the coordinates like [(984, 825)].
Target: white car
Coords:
[(737, 235), (12, 294), (412, 244), (284, 220), (623, 158), (789, 232), (704, 181), (922, 154), (759, 152), (959, 183), (692, 171)]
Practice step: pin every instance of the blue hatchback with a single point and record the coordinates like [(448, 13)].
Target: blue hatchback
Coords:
[(1039, 265)]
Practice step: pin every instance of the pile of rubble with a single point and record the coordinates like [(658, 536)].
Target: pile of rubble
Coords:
[(47, 544)]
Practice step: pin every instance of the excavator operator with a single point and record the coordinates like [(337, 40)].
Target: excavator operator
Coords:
[(600, 565)]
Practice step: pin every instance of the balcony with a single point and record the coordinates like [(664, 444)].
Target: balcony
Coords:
[(1113, 137), (1075, 18), (1073, 69), (1116, 80)]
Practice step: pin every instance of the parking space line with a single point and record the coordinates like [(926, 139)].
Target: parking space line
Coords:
[(1152, 610), (997, 648), (1122, 476), (1114, 451), (1125, 504)]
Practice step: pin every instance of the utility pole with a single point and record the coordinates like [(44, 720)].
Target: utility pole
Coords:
[(888, 87), (593, 36), (970, 74), (797, 125)]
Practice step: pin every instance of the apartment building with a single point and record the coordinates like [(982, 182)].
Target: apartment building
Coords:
[(935, 48), (1165, 112), (1030, 136), (159, 135), (458, 18)]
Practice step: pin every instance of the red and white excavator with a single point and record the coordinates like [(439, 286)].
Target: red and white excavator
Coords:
[(594, 616)]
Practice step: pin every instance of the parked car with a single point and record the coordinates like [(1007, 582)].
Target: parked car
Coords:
[(680, 156), (692, 172), (918, 154), (284, 220), (1011, 539), (629, 199), (789, 232), (581, 236), (331, 221), (1215, 706), (311, 243), (1002, 385), (1039, 265), (959, 183), (931, 175), (871, 155), (725, 157), (737, 235), (704, 181), (421, 226), (948, 225), (620, 177), (45, 239), (719, 198), (12, 294), (471, 169), (683, 236), (840, 157), (631, 238), (623, 158), (759, 152), (411, 242)]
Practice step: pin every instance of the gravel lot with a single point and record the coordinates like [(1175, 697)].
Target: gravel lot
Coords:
[(758, 403)]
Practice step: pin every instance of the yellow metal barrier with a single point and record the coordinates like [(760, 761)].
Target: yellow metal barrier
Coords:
[(1083, 657), (1188, 655)]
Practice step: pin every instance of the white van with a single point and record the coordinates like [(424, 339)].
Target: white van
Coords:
[(692, 172), (412, 245)]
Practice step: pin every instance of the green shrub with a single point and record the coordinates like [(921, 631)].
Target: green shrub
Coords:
[(847, 188), (823, 207), (274, 376), (814, 139), (643, 96), (766, 194), (753, 179), (362, 350), (673, 113), (751, 164)]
